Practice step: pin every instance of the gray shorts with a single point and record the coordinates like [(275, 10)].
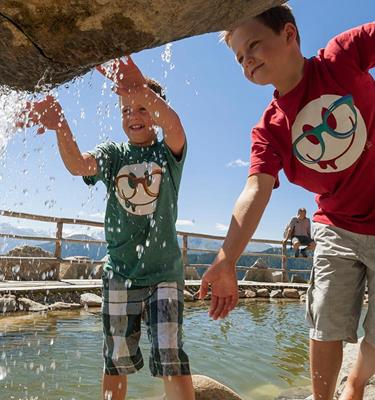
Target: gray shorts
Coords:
[(303, 240), (161, 308), (343, 262)]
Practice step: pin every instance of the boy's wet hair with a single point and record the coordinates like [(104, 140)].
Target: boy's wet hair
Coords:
[(275, 18), (156, 88)]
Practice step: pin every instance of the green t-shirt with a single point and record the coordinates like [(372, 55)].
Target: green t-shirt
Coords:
[(142, 189)]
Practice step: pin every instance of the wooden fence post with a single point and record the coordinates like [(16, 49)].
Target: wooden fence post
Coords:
[(58, 244), (185, 250), (284, 262)]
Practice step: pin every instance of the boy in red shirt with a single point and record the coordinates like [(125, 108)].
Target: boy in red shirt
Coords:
[(320, 129)]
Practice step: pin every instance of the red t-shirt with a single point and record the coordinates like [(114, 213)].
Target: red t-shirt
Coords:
[(322, 133)]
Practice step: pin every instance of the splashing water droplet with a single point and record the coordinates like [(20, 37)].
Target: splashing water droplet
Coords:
[(140, 249), (166, 55), (12, 103), (16, 269), (3, 373)]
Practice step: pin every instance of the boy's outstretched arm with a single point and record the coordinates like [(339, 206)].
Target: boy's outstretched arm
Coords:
[(48, 114), (132, 87), (222, 275)]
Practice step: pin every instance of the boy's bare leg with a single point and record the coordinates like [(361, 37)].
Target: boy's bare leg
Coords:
[(363, 370), (114, 387), (325, 363), (179, 387)]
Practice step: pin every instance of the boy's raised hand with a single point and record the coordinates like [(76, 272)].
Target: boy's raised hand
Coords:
[(126, 75), (47, 113)]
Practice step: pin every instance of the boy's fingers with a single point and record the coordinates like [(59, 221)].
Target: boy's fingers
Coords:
[(214, 301), (233, 302), (219, 308), (203, 289), (226, 308), (129, 62), (41, 130), (105, 72)]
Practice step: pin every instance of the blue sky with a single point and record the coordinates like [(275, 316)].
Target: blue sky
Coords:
[(217, 107)]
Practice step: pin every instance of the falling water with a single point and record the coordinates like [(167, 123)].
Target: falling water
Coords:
[(11, 105)]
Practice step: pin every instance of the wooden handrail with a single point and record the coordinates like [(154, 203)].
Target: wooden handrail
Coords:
[(59, 239)]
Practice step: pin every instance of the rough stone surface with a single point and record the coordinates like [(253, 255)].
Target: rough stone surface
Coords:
[(188, 296), (90, 300), (29, 268), (29, 251), (54, 41), (63, 306), (276, 294), (191, 273), (96, 272), (277, 276), (263, 293), (30, 305), (297, 279), (81, 268), (208, 389), (8, 304), (249, 294), (291, 293), (258, 272)]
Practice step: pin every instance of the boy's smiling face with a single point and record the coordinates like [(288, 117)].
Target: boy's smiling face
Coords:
[(262, 53), (137, 124)]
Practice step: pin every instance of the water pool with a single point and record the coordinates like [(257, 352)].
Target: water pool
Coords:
[(260, 350)]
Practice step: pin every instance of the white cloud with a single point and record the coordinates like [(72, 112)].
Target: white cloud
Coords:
[(238, 163), (185, 222), (221, 227)]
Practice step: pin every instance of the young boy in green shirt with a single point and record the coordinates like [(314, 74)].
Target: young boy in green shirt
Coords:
[(143, 278)]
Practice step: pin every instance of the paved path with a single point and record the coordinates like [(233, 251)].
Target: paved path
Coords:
[(82, 284)]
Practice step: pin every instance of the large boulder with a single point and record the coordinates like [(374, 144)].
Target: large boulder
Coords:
[(54, 41), (7, 304), (77, 267), (90, 300), (191, 274), (208, 389), (258, 272)]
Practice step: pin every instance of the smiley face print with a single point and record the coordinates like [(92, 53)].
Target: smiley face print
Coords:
[(137, 187), (329, 134)]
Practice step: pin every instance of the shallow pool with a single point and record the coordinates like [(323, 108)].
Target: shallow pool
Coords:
[(260, 350)]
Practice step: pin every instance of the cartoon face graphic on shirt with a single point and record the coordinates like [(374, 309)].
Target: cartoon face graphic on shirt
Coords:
[(329, 134), (137, 187)]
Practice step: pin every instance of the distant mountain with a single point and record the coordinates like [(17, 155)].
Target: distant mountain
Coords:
[(7, 244), (208, 244), (92, 250), (98, 251)]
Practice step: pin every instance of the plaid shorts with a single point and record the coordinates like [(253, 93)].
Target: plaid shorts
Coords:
[(161, 308)]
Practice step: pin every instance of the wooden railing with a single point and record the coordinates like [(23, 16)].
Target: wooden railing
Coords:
[(59, 239)]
